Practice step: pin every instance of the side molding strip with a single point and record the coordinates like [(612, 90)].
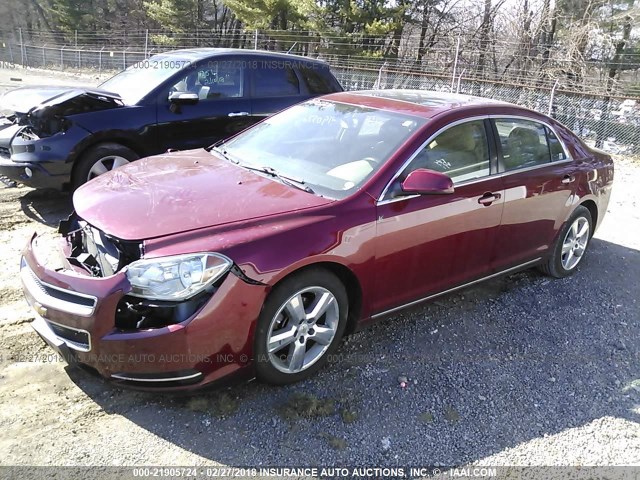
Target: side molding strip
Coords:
[(444, 292)]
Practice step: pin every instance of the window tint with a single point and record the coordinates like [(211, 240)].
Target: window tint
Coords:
[(524, 143), (461, 152), (213, 80), (318, 80), (557, 151), (274, 79)]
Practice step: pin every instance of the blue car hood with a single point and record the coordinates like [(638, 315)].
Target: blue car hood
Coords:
[(38, 98)]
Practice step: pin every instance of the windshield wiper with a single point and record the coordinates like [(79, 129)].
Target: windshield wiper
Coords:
[(292, 182), (220, 151)]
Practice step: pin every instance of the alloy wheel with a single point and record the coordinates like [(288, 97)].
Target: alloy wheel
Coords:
[(575, 243), (302, 329), (106, 164)]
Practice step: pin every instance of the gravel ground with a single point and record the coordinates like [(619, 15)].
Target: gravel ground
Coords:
[(520, 370)]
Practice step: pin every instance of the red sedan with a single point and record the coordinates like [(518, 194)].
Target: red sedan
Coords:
[(256, 256)]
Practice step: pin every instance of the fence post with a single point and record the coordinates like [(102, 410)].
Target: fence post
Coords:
[(21, 48), (44, 56), (124, 59), (146, 44), (11, 53), (455, 64), (459, 80), (553, 94), (62, 58), (255, 40), (100, 61)]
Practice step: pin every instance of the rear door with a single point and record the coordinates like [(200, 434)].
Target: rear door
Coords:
[(428, 243), (539, 183), (275, 85), (223, 108)]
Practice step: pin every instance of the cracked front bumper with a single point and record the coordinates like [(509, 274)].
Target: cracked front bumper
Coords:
[(76, 317)]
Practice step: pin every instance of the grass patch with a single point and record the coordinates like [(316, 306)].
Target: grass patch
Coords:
[(220, 405), (224, 405), (450, 414), (426, 417), (198, 404), (334, 442), (305, 405), (348, 415)]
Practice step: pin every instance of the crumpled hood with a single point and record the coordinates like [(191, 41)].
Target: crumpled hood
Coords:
[(182, 191), (25, 99)]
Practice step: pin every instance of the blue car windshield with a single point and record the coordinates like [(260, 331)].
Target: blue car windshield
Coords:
[(138, 80)]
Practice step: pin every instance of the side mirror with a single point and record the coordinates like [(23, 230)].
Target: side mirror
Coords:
[(183, 98), (427, 182)]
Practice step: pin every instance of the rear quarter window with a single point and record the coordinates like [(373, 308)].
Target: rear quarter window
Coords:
[(319, 79)]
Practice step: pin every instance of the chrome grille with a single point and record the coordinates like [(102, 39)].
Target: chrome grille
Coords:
[(55, 297)]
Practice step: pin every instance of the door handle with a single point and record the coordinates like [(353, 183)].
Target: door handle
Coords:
[(238, 114), (568, 179), (488, 198)]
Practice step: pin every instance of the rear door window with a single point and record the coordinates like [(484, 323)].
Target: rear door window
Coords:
[(524, 143), (274, 79)]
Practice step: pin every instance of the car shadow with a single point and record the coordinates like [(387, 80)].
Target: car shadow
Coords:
[(46, 206), (513, 359)]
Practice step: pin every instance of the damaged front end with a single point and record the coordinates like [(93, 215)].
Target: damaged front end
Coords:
[(36, 139), (165, 291)]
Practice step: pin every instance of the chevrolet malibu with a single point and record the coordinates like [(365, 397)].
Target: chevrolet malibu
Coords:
[(257, 255)]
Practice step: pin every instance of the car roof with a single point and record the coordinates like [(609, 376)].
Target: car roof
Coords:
[(423, 103), (195, 54)]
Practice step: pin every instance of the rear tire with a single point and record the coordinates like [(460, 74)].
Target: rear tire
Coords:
[(300, 326), (571, 245), (100, 159)]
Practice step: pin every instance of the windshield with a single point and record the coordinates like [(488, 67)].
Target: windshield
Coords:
[(332, 148), (136, 81)]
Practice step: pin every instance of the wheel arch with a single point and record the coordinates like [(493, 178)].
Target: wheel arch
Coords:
[(348, 278), (593, 210), (82, 149), (121, 140)]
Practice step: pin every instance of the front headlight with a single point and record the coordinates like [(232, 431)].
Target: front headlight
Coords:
[(177, 277)]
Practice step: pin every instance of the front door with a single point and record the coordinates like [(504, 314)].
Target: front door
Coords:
[(429, 243), (223, 109)]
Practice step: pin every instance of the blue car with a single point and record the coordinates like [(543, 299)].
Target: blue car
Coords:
[(61, 137)]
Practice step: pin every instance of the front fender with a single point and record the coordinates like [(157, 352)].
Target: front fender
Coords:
[(268, 251)]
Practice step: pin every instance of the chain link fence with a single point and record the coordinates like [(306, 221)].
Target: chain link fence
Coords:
[(608, 122)]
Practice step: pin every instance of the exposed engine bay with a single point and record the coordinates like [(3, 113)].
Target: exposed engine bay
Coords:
[(94, 251), (102, 255), (49, 117)]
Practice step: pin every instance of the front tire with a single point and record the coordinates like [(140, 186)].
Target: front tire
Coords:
[(101, 159), (301, 324), (571, 245)]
